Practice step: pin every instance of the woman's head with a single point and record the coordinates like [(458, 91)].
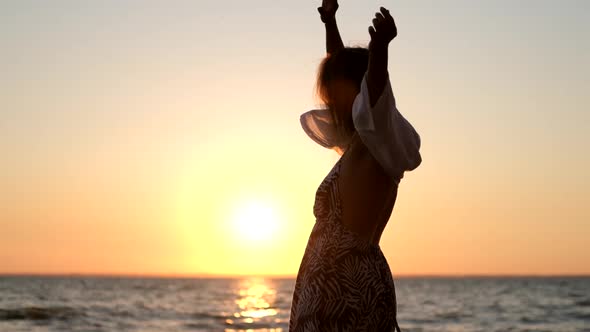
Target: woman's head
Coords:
[(339, 81)]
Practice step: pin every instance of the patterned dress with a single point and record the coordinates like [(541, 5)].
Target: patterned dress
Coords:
[(344, 283)]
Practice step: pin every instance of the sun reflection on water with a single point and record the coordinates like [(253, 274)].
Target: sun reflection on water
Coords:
[(254, 307)]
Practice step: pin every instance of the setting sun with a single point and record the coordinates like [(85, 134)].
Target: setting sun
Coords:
[(255, 221)]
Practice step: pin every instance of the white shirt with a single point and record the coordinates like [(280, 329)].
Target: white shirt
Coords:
[(388, 136)]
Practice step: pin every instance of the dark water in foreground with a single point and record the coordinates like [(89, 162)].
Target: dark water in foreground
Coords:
[(426, 304)]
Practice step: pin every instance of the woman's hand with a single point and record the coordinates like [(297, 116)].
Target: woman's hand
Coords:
[(328, 10), (383, 29), (328, 14)]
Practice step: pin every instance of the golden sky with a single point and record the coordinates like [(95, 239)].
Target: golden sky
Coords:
[(153, 138)]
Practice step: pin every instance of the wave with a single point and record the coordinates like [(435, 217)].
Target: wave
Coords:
[(583, 303), (584, 316), (201, 315), (453, 315), (38, 313), (533, 320)]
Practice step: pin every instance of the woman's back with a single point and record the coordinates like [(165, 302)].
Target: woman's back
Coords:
[(367, 193)]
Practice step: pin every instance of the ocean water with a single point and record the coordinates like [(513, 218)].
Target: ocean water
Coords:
[(256, 304)]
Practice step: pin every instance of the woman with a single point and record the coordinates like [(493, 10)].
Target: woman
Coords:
[(344, 282)]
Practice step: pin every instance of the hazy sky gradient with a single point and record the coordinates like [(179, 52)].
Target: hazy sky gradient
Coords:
[(132, 131)]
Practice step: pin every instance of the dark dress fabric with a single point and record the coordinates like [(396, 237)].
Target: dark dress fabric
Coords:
[(344, 283)]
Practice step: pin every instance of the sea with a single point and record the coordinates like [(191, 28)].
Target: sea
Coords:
[(518, 304)]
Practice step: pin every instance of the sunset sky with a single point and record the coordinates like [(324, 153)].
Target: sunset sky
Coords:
[(144, 137)]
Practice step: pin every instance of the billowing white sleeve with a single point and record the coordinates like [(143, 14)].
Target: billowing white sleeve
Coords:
[(389, 137)]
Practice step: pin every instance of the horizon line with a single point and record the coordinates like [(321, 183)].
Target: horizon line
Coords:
[(276, 276)]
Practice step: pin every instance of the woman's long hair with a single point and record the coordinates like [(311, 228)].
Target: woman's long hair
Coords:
[(348, 64)]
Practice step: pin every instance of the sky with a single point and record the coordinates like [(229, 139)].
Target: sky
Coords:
[(163, 137)]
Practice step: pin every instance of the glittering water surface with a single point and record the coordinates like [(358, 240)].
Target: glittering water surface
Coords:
[(254, 304)]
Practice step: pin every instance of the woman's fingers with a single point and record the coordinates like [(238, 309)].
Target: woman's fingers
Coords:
[(379, 21), (383, 17), (386, 15), (383, 26)]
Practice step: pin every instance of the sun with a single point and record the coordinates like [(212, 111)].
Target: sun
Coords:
[(255, 221)]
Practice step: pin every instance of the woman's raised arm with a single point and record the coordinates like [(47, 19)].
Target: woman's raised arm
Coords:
[(328, 15), (382, 33), (390, 138)]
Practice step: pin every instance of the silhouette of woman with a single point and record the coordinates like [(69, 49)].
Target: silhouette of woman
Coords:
[(344, 281)]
